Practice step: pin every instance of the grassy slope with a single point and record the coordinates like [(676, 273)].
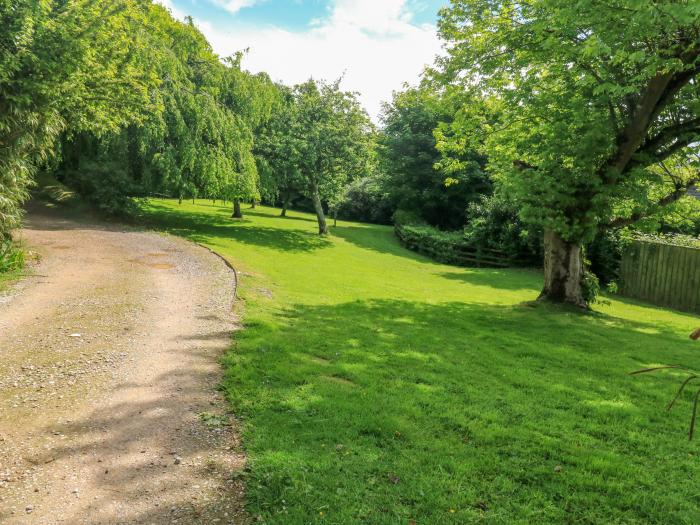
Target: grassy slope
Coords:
[(379, 387)]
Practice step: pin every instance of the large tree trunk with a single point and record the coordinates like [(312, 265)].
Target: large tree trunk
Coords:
[(322, 226), (285, 205), (563, 271), (237, 213), (253, 204)]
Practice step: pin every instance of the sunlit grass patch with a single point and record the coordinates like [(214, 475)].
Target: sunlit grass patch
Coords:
[(377, 386)]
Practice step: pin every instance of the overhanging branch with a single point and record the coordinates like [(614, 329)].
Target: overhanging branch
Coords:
[(522, 165), (680, 191), (642, 161), (689, 129)]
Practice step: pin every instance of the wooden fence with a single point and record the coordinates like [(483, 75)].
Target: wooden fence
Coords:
[(456, 253), (662, 274)]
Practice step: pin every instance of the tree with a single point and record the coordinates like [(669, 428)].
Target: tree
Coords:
[(184, 146), (416, 177), (335, 141), (197, 140), (75, 66), (367, 200), (278, 150), (590, 96), (251, 99)]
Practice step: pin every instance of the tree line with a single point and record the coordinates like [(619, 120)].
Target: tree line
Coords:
[(544, 129)]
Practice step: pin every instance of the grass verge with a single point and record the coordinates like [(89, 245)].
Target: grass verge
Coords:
[(376, 386), (9, 278)]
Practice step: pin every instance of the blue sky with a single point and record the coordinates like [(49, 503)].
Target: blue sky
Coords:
[(294, 15), (375, 45)]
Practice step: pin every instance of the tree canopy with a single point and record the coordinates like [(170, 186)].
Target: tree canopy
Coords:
[(320, 139), (415, 175), (585, 98), (199, 139), (278, 152), (65, 66)]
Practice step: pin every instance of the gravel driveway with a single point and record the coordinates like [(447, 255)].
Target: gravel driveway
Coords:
[(109, 411)]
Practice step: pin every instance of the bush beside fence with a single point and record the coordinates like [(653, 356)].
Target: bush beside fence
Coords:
[(451, 248)]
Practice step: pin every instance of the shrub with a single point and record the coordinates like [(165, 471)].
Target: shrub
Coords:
[(591, 284), (105, 185), (441, 246), (11, 256), (494, 236), (493, 222), (408, 218), (605, 255), (366, 201), (451, 247)]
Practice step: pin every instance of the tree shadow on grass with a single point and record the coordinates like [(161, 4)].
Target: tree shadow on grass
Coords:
[(204, 227), (288, 217), (510, 279), (253, 212), (390, 411), (50, 217), (377, 238)]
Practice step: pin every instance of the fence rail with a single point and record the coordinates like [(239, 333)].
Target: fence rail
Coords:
[(662, 274), (457, 254)]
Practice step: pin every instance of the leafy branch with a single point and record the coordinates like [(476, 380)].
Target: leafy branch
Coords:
[(695, 335)]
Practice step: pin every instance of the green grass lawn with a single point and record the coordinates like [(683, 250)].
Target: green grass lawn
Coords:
[(378, 387)]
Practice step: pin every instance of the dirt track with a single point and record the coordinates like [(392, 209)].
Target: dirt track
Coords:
[(108, 371)]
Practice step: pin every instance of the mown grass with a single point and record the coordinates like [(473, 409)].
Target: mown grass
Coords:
[(376, 386)]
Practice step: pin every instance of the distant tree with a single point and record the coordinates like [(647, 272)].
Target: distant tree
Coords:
[(251, 99), (278, 150), (335, 142), (415, 178), (367, 199), (198, 138), (590, 96)]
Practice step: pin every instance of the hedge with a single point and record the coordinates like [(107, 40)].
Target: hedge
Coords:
[(451, 248)]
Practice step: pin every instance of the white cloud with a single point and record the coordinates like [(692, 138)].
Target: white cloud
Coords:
[(384, 17), (168, 4), (371, 42), (233, 6)]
